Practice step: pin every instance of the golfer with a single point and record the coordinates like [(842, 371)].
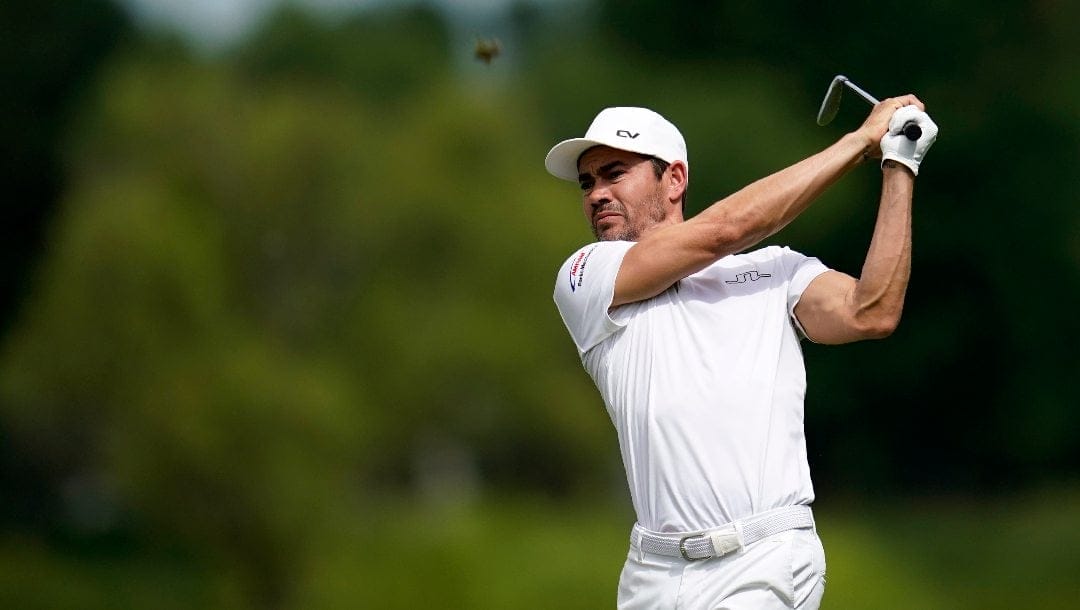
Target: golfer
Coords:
[(693, 342)]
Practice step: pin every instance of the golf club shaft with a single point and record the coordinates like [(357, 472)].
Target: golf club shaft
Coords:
[(866, 96)]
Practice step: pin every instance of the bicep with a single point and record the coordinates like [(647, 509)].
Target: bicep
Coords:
[(664, 257), (826, 312)]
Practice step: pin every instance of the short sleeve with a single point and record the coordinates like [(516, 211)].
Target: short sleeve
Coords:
[(802, 270), (584, 289)]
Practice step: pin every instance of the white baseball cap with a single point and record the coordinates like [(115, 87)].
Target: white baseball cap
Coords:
[(638, 130)]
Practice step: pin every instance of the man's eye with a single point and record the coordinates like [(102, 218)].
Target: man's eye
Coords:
[(586, 186)]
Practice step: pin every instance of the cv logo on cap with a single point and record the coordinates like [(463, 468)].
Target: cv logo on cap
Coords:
[(622, 133)]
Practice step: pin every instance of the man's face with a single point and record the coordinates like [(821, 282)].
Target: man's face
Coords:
[(621, 194)]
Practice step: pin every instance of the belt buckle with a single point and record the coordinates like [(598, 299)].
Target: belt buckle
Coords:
[(682, 549)]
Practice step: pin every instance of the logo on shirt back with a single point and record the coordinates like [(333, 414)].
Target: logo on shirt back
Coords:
[(577, 270), (749, 276)]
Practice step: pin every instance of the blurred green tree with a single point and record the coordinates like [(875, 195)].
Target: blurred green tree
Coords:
[(269, 301), (51, 52)]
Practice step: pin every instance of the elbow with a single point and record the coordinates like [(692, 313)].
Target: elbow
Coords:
[(878, 326), (733, 233), (726, 239), (885, 329)]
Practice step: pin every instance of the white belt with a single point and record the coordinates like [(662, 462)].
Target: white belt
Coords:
[(725, 539)]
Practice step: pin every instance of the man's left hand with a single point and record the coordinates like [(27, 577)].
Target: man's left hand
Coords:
[(897, 147)]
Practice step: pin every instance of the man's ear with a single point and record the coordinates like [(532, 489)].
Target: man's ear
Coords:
[(678, 174)]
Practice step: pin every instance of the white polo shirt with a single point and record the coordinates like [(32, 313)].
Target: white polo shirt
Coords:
[(704, 382)]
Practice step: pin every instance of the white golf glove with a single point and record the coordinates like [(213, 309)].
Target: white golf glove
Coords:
[(896, 146)]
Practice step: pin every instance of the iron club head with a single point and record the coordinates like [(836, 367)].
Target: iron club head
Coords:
[(831, 104)]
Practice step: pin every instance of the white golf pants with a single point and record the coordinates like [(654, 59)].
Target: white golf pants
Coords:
[(782, 571)]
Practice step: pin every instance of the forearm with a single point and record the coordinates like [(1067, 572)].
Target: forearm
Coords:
[(769, 204), (878, 296), (733, 224), (836, 307)]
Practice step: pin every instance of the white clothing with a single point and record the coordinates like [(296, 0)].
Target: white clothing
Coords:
[(704, 382), (783, 571)]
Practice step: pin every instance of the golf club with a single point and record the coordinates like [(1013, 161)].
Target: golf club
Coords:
[(831, 104)]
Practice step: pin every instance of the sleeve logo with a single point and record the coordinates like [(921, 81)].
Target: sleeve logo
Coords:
[(577, 270)]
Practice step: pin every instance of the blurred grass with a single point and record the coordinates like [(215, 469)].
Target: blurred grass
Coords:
[(974, 552), (1016, 552)]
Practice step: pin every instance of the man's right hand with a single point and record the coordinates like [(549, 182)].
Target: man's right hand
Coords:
[(877, 124)]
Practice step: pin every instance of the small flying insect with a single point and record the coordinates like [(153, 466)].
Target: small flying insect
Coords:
[(487, 49)]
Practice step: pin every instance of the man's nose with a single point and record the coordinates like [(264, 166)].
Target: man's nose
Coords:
[(598, 196)]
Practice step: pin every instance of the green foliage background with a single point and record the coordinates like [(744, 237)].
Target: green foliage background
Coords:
[(287, 338)]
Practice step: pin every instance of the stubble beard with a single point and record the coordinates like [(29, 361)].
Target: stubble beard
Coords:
[(652, 213)]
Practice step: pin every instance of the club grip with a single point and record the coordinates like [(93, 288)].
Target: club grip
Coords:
[(912, 131)]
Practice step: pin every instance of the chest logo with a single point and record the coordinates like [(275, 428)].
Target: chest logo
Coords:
[(749, 276)]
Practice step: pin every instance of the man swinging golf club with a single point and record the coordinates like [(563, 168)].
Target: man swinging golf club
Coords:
[(693, 343)]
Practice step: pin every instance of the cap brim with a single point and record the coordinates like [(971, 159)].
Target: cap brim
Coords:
[(561, 160)]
